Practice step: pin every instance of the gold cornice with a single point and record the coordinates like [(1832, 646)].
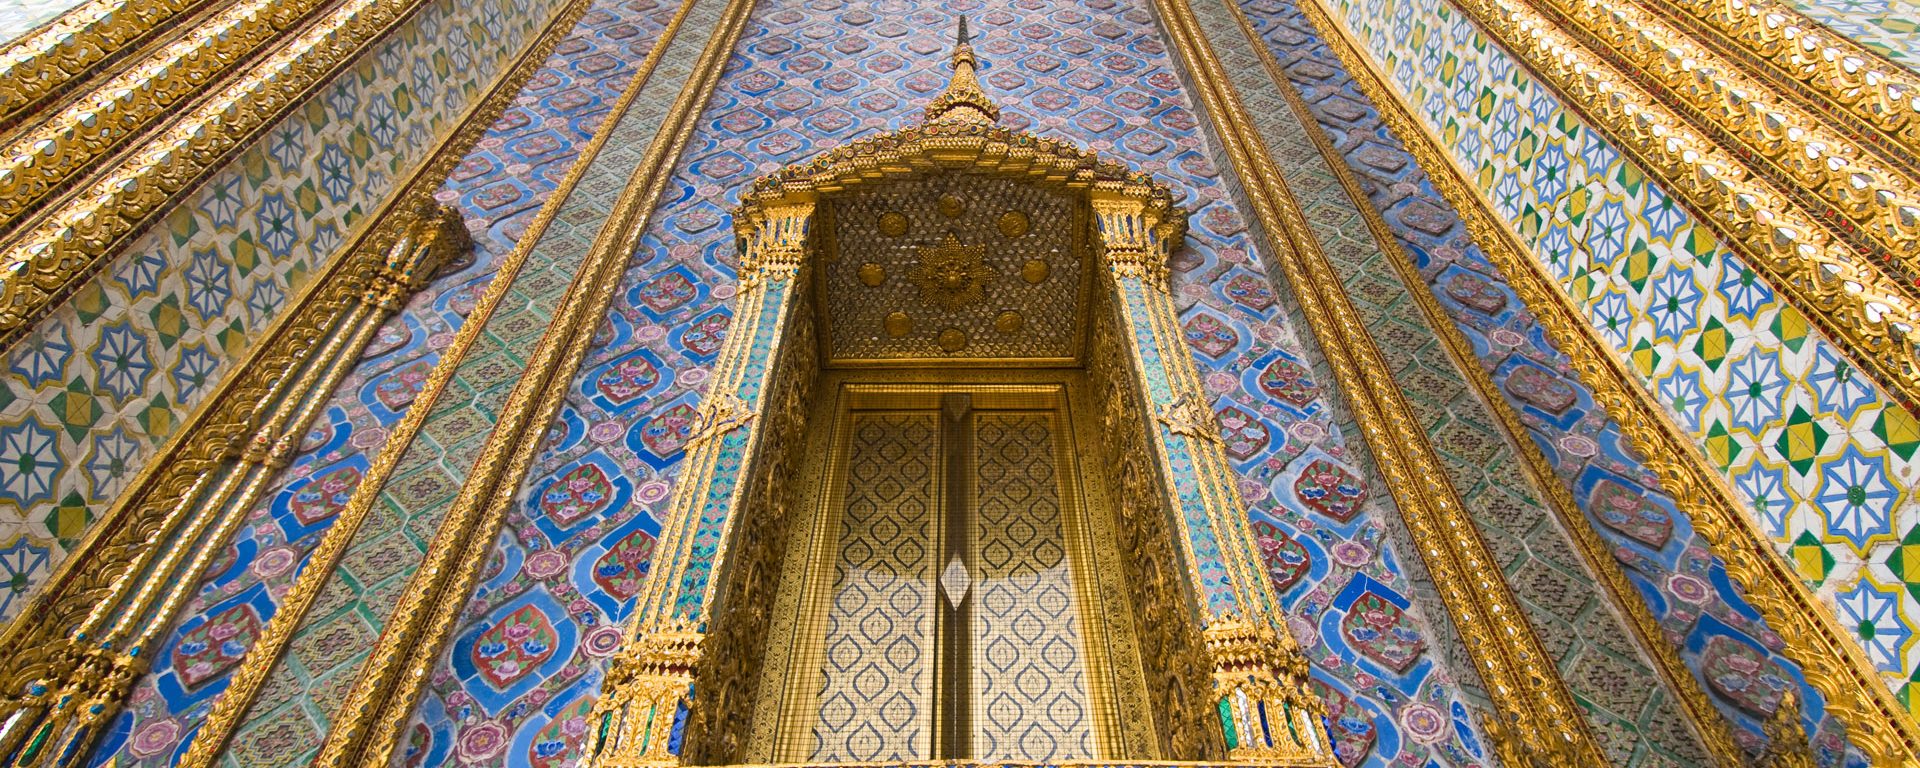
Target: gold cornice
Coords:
[(50, 155), (1841, 74), (54, 56), (1703, 718), (371, 722), (1870, 314), (1827, 172), (1539, 719), (1832, 661), (63, 245)]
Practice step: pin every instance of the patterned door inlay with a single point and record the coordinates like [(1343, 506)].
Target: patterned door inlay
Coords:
[(1030, 693), (876, 697)]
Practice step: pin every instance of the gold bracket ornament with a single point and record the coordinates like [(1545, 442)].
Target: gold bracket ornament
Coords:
[(719, 413), (773, 241), (437, 237), (1188, 417), (647, 684), (1260, 679)]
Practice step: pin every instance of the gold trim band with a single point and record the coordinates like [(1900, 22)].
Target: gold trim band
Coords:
[(38, 163), (1833, 663), (86, 38), (64, 245), (1869, 313)]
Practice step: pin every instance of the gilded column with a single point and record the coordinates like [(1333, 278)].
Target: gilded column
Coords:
[(648, 689), (1259, 674)]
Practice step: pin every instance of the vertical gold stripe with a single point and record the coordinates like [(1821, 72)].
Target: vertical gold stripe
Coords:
[(231, 707), (1832, 661)]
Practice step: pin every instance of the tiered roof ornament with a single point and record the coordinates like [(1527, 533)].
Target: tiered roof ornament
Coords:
[(964, 101)]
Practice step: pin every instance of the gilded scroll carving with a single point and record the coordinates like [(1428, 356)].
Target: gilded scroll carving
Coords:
[(1178, 672), (728, 675)]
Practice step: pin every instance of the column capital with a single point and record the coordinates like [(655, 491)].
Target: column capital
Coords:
[(648, 683), (1260, 678), (1138, 232), (773, 239)]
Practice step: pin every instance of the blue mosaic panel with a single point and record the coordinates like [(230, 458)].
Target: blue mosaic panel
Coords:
[(1825, 461), (807, 76), (498, 186)]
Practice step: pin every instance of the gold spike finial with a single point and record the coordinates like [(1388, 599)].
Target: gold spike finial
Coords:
[(964, 101)]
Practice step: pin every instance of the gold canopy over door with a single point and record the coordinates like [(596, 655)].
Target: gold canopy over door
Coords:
[(947, 585)]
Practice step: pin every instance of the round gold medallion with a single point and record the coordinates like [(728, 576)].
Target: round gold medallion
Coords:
[(893, 224), (1034, 271), (872, 275), (898, 324), (951, 206), (1014, 224), (1009, 322), (953, 339)]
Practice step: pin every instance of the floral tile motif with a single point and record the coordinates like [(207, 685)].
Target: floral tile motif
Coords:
[(1813, 444), (806, 75), (499, 189), (1891, 27), (88, 396)]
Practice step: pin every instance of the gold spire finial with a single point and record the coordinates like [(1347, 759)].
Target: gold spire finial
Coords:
[(964, 101)]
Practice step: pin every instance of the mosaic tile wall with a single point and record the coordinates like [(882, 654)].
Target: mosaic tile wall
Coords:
[(327, 653), (1732, 654), (519, 678), (1891, 27), (1824, 459), (102, 381), (499, 186)]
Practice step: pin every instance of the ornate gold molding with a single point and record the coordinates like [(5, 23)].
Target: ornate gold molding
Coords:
[(1701, 714), (1870, 313), (1827, 171), (75, 45), (1840, 74), (63, 245), (370, 722), (1832, 661), (43, 160), (1540, 722)]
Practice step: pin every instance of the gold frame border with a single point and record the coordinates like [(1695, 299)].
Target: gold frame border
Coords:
[(1832, 663)]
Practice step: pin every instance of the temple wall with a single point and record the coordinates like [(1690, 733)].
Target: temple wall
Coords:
[(105, 378), (1825, 460), (807, 76)]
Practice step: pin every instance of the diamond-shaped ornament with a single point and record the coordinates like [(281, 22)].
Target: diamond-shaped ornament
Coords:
[(954, 580)]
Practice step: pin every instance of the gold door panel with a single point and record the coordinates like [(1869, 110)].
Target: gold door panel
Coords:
[(940, 586)]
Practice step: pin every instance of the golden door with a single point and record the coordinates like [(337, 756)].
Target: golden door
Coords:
[(946, 590)]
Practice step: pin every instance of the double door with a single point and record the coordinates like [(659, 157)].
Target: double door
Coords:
[(946, 590)]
